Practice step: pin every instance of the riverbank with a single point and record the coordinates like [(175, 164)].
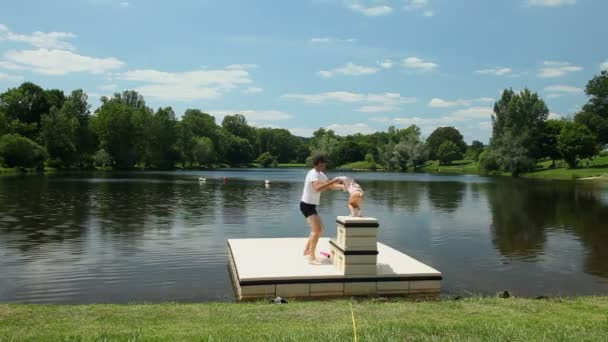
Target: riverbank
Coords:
[(489, 319)]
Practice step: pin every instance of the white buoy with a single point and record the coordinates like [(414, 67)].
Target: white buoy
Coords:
[(267, 182), (201, 179)]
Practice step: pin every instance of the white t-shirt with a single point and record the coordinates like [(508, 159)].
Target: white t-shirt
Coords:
[(310, 195)]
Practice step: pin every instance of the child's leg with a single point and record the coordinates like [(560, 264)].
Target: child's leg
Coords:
[(352, 209)]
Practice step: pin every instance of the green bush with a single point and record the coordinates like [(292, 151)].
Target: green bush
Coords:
[(18, 151), (266, 160), (488, 160)]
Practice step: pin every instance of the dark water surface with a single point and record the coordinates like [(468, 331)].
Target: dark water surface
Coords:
[(161, 236)]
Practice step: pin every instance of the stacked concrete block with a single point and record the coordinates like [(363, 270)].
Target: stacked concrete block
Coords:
[(355, 249)]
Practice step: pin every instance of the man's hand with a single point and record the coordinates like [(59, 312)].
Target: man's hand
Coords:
[(320, 186)]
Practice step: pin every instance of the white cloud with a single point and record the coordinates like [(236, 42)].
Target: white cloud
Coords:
[(416, 4), (329, 40), (385, 64), (108, 87), (498, 71), (440, 103), (604, 66), (252, 90), (47, 40), (349, 129), (377, 109), (370, 11), (372, 103), (254, 116), (419, 64), (477, 112), (301, 132), (349, 69), (485, 99), (563, 89), (557, 69), (58, 62), (7, 77), (553, 96), (188, 85), (125, 4), (420, 6), (242, 66), (550, 3), (485, 125), (555, 116)]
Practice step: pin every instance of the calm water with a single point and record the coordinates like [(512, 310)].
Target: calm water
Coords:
[(133, 237)]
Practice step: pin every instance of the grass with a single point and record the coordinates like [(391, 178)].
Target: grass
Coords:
[(596, 167), (472, 319), (360, 165), (458, 166)]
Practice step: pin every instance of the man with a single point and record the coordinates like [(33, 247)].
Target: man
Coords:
[(315, 183)]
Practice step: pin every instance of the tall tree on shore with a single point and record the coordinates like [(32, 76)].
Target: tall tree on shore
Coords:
[(595, 113), (518, 122)]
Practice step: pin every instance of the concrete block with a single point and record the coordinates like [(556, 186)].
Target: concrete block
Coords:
[(293, 290), (257, 291), (326, 289), (360, 270), (393, 287), (360, 289), (425, 286), (361, 259)]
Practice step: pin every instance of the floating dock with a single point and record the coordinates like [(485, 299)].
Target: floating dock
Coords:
[(358, 266)]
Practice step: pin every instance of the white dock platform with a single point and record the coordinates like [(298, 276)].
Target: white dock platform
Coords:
[(266, 268)]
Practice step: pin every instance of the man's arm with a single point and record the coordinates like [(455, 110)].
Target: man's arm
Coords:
[(330, 184)]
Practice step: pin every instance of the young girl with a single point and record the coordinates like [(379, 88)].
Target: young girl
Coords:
[(355, 198)]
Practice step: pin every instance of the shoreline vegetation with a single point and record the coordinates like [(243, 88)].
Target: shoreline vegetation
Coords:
[(42, 128), (597, 169), (374, 319)]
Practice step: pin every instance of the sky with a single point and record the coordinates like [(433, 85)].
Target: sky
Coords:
[(354, 66)]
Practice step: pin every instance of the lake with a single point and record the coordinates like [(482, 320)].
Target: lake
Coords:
[(161, 236)]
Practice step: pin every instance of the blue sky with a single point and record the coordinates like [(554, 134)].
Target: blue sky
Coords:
[(349, 65)]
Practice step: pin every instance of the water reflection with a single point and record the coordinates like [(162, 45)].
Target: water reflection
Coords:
[(524, 211)]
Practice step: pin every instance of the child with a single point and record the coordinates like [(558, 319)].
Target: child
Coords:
[(355, 198)]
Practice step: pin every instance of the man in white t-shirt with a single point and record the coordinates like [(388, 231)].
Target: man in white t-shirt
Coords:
[(315, 183)]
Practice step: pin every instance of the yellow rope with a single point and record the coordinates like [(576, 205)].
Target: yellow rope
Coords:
[(353, 317)]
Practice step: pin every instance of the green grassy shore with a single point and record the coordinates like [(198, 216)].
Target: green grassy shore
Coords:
[(471, 319)]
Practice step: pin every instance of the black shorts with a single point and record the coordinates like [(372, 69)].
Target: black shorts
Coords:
[(308, 209)]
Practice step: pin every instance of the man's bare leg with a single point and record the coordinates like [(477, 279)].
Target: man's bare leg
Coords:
[(316, 229)]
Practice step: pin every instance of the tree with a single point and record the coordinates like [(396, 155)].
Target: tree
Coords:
[(448, 152), (576, 141), (266, 160), (511, 153), (102, 159), (474, 150), (76, 107), (203, 153), (26, 105), (163, 138), (234, 150), (237, 125), (551, 132), (18, 151), (523, 113), (517, 126), (122, 123), (442, 134), (58, 133), (595, 123), (597, 90), (347, 152)]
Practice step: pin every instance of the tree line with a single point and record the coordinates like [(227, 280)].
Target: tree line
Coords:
[(45, 127)]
